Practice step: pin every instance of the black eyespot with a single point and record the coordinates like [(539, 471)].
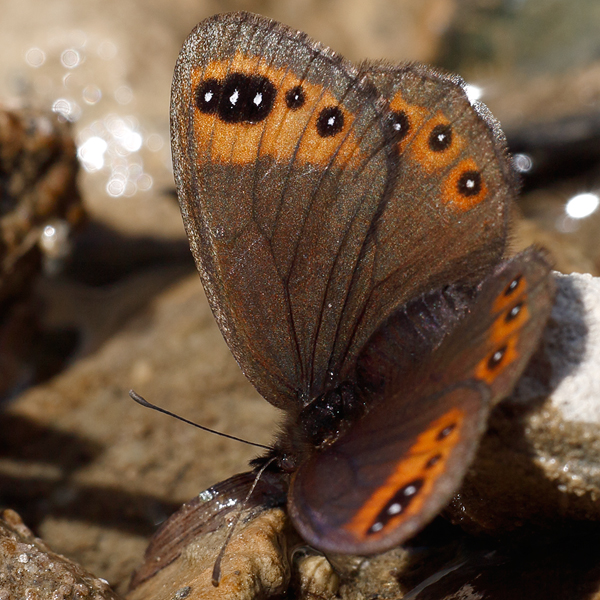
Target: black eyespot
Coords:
[(444, 433), (434, 460), (295, 98), (440, 138), (208, 96), (512, 286), (496, 358), (330, 121), (469, 183), (399, 125), (513, 313), (243, 98), (396, 505)]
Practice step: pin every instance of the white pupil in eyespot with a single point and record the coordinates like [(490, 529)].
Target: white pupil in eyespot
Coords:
[(394, 509)]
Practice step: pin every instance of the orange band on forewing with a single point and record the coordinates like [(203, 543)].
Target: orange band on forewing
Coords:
[(509, 296), (456, 195), (284, 134), (409, 467), (421, 152), (415, 114), (485, 372)]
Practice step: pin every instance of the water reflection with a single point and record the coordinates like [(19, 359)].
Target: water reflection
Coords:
[(474, 92), (523, 163), (582, 205), (70, 58), (35, 57), (86, 91)]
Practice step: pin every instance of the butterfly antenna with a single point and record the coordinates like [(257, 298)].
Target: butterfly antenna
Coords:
[(216, 574), (140, 400)]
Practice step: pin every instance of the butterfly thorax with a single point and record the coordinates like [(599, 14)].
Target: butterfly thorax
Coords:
[(318, 425), (326, 418)]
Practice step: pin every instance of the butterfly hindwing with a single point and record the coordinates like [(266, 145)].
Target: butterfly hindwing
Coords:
[(447, 215), (400, 464)]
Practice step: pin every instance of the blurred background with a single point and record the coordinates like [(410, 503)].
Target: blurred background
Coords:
[(98, 292)]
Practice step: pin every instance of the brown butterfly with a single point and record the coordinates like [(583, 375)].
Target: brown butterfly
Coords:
[(349, 226)]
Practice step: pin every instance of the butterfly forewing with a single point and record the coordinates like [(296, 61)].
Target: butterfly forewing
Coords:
[(278, 203), (310, 218), (400, 464)]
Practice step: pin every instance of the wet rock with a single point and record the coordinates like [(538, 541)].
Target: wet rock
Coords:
[(29, 569), (38, 169), (562, 568)]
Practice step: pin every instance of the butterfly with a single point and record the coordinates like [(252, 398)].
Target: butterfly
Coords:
[(349, 225)]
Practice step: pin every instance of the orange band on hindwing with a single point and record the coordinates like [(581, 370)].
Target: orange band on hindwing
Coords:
[(403, 493), (512, 306)]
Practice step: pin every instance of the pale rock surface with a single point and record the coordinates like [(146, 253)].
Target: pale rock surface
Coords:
[(29, 569), (255, 565)]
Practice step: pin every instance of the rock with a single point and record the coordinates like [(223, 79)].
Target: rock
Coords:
[(528, 39), (255, 564), (29, 569), (314, 576)]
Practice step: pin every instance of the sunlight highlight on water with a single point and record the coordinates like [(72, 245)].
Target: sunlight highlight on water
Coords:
[(88, 92)]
